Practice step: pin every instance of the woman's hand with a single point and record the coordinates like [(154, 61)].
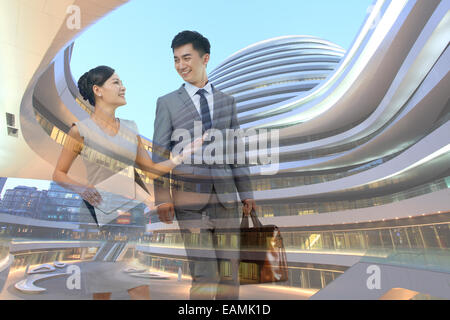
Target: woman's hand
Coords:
[(91, 195), (249, 205), (166, 212), (192, 147)]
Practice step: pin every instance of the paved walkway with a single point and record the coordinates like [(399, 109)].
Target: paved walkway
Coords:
[(168, 287)]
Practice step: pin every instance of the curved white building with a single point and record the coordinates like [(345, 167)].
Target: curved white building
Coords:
[(364, 172), (267, 74), (364, 151)]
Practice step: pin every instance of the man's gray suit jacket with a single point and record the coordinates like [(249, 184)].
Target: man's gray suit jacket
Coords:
[(177, 111)]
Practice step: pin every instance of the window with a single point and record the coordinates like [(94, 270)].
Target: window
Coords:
[(339, 241), (11, 125), (10, 120), (415, 237), (315, 280), (373, 239), (225, 269), (13, 132), (400, 237), (355, 240), (386, 238), (328, 242), (443, 232), (429, 235), (327, 277), (315, 241)]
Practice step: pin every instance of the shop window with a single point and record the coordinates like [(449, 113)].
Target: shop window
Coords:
[(339, 240), (443, 231), (248, 271), (386, 239), (225, 269), (315, 241), (429, 235), (327, 278), (315, 279), (328, 242), (295, 277), (354, 240), (415, 237), (373, 239), (399, 237), (305, 279)]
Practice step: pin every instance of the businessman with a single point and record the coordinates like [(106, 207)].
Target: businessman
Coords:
[(204, 196)]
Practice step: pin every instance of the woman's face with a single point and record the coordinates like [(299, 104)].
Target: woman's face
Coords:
[(112, 92)]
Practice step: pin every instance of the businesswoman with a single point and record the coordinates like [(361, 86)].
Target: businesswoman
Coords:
[(96, 138)]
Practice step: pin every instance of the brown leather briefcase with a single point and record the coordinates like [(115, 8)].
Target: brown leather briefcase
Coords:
[(262, 253)]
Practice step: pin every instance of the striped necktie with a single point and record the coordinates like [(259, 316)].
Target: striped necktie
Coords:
[(204, 108)]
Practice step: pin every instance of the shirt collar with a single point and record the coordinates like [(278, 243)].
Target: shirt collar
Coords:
[(192, 90)]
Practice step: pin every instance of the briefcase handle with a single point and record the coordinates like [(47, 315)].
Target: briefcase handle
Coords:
[(255, 220)]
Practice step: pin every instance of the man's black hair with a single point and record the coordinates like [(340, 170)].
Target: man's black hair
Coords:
[(199, 42)]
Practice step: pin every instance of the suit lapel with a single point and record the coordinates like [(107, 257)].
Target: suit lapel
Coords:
[(187, 103)]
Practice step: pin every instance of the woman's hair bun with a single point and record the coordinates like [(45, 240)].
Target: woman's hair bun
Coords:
[(83, 86)]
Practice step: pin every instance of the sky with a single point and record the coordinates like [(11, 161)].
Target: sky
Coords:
[(135, 40)]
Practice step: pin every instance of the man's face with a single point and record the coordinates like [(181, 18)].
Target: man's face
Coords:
[(190, 65)]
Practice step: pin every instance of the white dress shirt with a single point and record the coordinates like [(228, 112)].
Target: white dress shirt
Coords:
[(192, 92)]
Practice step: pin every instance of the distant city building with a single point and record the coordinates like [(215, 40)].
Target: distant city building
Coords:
[(55, 204), (2, 184), (58, 204), (66, 205), (62, 204), (363, 173), (24, 201)]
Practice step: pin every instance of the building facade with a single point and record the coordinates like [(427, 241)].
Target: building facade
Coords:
[(363, 150), (24, 201), (2, 184), (363, 174)]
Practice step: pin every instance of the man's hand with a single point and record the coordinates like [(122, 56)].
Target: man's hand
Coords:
[(249, 205), (166, 212)]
